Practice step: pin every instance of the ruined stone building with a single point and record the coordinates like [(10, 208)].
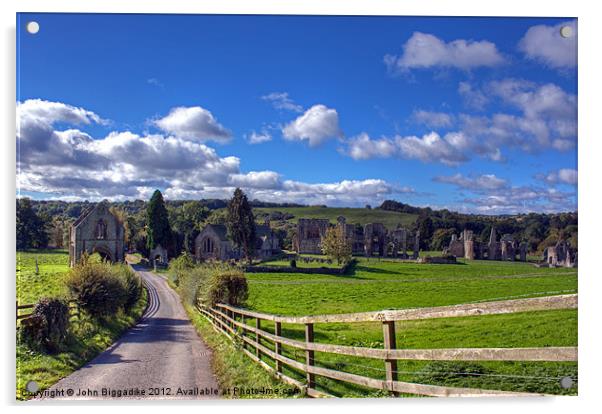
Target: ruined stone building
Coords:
[(373, 239), (354, 233), (560, 255), (309, 235), (505, 249), (213, 243), (97, 230)]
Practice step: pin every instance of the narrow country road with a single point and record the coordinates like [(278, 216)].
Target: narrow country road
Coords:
[(162, 357)]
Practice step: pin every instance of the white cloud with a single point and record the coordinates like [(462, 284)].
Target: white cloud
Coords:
[(194, 123), (51, 112), (281, 100), (494, 195), (259, 137), (317, 125), (449, 149), (423, 51), (546, 119), (473, 98), (478, 183), (433, 119), (256, 180), (545, 44), (562, 176), (71, 164)]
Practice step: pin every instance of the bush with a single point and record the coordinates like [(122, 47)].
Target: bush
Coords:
[(47, 328), (179, 266), (131, 282), (33, 331), (190, 282), (97, 288), (225, 286)]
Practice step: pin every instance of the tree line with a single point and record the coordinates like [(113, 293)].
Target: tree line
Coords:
[(175, 223), (539, 230)]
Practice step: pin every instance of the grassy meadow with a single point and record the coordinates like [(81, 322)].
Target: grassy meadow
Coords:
[(353, 215), (386, 284), (49, 282)]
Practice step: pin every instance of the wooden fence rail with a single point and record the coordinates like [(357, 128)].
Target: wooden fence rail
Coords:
[(232, 322), (73, 309)]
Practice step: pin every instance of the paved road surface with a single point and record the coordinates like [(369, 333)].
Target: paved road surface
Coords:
[(159, 355)]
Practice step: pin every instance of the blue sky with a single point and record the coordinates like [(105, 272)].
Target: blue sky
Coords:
[(470, 114)]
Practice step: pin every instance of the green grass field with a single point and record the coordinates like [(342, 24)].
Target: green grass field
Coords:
[(53, 266), (353, 215), (382, 284)]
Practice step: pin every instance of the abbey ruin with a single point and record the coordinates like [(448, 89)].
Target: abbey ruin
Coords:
[(373, 239), (505, 249)]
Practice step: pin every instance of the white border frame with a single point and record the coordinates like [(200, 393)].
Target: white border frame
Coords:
[(590, 142)]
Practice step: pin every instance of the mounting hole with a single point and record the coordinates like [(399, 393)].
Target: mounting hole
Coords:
[(566, 383), (566, 31), (32, 386), (33, 27)]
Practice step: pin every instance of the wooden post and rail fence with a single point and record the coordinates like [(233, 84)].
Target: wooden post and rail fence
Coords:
[(232, 321), (73, 310)]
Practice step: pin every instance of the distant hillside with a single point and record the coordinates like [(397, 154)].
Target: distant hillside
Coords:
[(353, 215)]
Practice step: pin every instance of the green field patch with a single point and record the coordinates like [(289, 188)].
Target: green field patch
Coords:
[(353, 215), (49, 282)]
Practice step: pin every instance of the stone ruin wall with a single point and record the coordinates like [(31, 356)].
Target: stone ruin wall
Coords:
[(371, 239)]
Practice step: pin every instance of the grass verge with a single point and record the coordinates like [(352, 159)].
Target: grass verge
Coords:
[(87, 339), (234, 370)]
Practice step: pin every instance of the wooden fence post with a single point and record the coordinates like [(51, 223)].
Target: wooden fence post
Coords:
[(390, 343), (309, 355), (278, 332), (243, 332), (258, 327)]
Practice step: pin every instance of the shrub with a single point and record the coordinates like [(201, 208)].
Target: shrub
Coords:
[(225, 286), (97, 288), (181, 265), (190, 282), (47, 328), (33, 331), (131, 282)]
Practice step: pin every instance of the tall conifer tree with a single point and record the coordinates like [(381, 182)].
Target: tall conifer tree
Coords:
[(241, 223), (158, 230)]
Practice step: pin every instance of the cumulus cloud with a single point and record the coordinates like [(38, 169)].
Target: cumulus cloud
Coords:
[(317, 125), (423, 51), (449, 149), (545, 44), (259, 137), (478, 183), (548, 117), (256, 180), (562, 176), (193, 123), (71, 164), (281, 100), (473, 98), (490, 194), (433, 119)]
